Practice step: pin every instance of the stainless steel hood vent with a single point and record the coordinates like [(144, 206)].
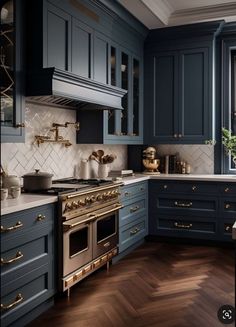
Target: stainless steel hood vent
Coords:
[(55, 87)]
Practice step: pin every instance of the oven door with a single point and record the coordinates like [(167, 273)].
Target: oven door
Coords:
[(77, 246), (105, 233)]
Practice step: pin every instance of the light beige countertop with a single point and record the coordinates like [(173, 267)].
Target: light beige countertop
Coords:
[(234, 231), (139, 177), (25, 201)]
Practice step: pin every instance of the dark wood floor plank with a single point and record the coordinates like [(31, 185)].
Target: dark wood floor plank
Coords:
[(158, 285)]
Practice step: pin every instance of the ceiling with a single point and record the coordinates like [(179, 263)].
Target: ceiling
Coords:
[(164, 13)]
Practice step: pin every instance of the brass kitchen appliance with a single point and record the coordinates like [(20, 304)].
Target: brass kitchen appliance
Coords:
[(150, 162)]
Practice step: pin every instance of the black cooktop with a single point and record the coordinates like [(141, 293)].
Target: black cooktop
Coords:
[(68, 185)]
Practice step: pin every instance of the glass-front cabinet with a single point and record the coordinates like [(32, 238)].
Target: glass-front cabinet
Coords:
[(125, 126), (11, 72)]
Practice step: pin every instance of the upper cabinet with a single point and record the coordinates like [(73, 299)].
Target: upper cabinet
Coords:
[(11, 66), (92, 39), (179, 85)]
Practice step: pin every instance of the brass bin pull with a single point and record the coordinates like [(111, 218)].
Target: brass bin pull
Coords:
[(127, 193), (41, 217), (8, 229), (134, 209), (19, 298), (183, 205), (178, 225), (18, 256)]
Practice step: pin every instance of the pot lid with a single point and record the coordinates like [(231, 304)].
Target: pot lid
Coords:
[(38, 173)]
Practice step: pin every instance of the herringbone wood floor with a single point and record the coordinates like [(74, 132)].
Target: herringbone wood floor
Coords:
[(157, 285)]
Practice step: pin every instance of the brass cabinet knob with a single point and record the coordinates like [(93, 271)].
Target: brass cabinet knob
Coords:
[(227, 189), (227, 206), (228, 228), (194, 187), (175, 136), (180, 135), (165, 187), (20, 125), (41, 217)]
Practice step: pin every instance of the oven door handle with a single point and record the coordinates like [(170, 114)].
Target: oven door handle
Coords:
[(119, 206), (66, 226)]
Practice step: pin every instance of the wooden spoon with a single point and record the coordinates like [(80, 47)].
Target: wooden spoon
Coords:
[(100, 154)]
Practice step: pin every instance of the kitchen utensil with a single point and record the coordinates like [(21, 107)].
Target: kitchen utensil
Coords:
[(37, 181), (92, 157), (4, 194), (100, 154)]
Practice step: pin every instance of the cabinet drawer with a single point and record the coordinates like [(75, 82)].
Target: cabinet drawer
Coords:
[(228, 188), (132, 233), (18, 258), (130, 212), (184, 204), (32, 289), (17, 223), (138, 189), (183, 187), (225, 227), (228, 207), (184, 226)]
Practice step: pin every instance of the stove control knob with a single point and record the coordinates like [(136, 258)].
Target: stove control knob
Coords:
[(68, 206), (75, 205), (87, 200), (99, 197), (81, 203), (109, 195), (113, 194), (105, 196), (93, 199)]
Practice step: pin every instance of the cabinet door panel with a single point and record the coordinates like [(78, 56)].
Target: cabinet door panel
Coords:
[(193, 99), (100, 58), (81, 49), (58, 38)]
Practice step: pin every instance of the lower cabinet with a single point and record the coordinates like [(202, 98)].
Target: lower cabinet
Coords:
[(202, 210), (133, 217), (27, 265)]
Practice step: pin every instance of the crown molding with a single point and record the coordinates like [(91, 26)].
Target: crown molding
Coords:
[(194, 15), (161, 9)]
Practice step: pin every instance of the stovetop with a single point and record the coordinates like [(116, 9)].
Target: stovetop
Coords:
[(68, 185)]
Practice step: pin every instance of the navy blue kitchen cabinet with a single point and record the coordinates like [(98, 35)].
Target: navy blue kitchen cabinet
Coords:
[(12, 77), (133, 217), (189, 209), (93, 41), (179, 64), (27, 264)]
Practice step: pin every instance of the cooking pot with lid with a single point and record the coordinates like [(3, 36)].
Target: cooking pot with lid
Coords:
[(37, 181)]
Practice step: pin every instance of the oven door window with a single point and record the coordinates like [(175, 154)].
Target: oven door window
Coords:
[(79, 241), (106, 227)]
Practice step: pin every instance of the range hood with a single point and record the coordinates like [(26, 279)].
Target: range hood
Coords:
[(51, 86)]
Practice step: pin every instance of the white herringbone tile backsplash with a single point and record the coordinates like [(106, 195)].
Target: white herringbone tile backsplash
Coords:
[(21, 158), (200, 157)]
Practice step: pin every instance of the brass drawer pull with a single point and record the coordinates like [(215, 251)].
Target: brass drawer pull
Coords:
[(19, 298), (227, 206), (194, 187), (20, 125), (178, 225), (41, 217), (127, 193), (183, 205), (141, 189), (228, 228), (227, 189), (18, 256), (135, 231), (8, 229), (134, 209)]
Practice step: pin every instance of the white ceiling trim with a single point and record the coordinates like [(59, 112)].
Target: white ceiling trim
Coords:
[(185, 16), (161, 9)]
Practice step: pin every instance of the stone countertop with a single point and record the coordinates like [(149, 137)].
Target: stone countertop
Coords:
[(139, 177), (25, 201), (234, 231)]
